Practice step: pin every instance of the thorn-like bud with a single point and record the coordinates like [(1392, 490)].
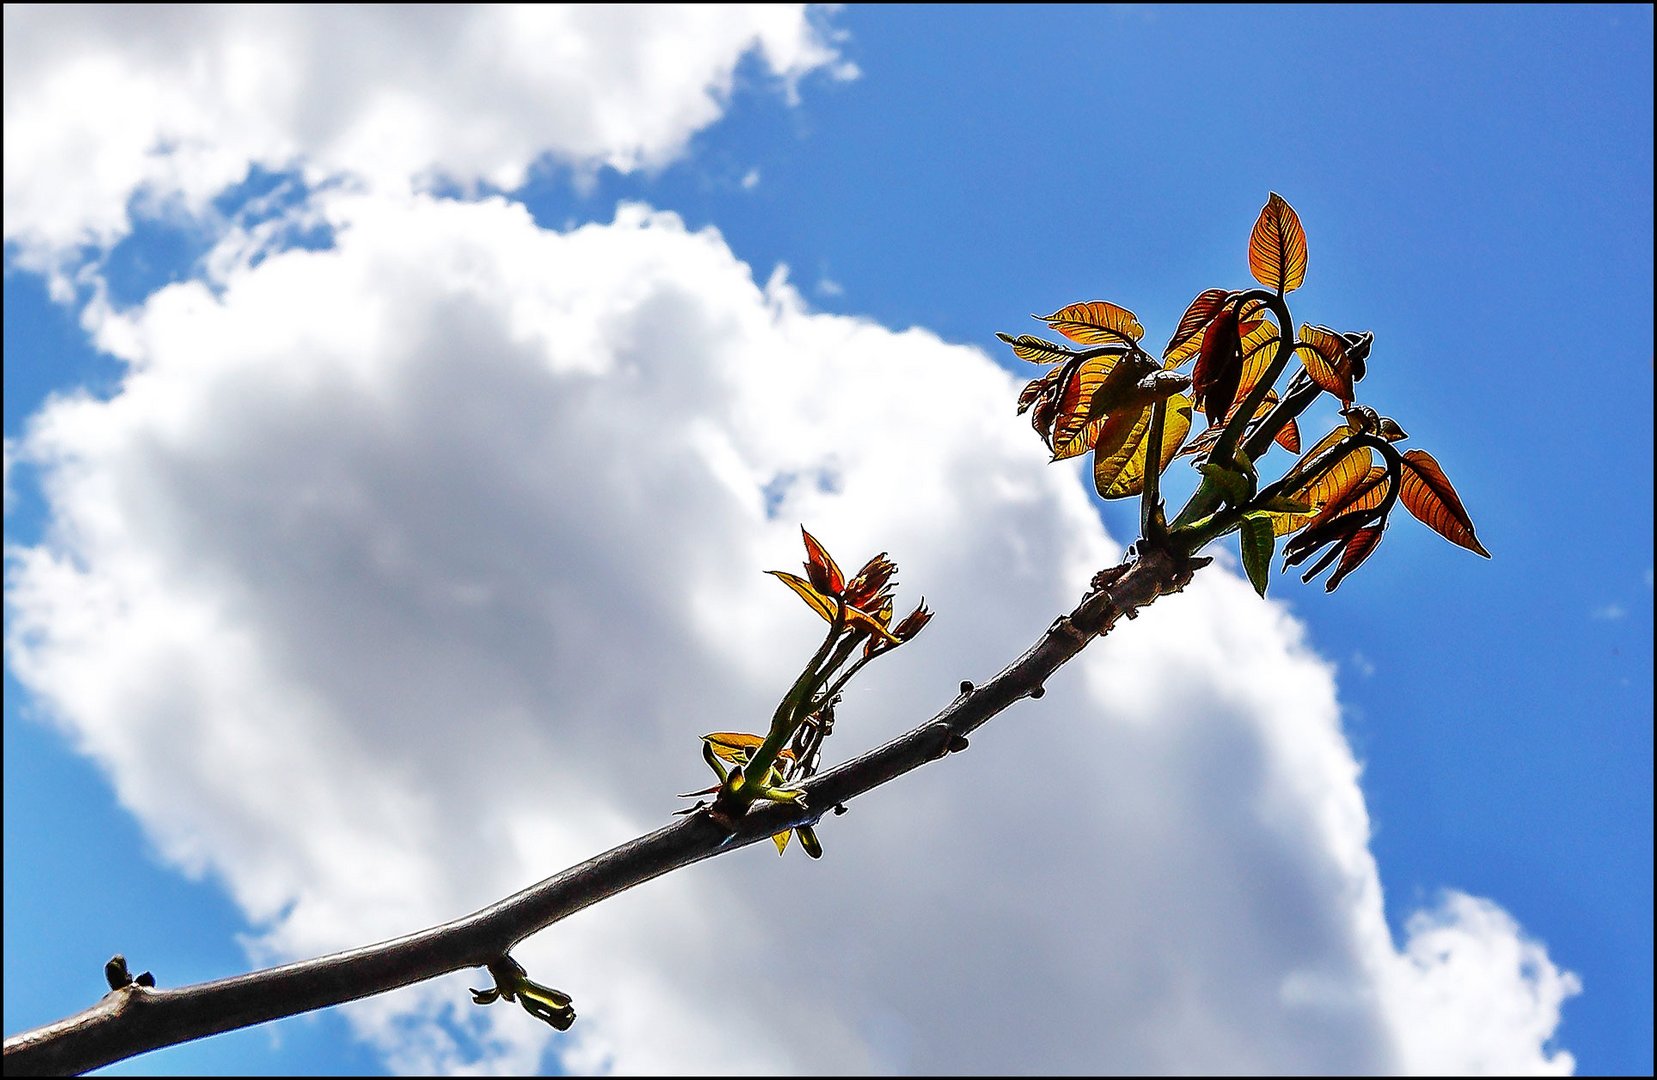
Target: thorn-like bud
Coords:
[(957, 743), (839, 808), (966, 686), (146, 980), (116, 973), (1039, 691)]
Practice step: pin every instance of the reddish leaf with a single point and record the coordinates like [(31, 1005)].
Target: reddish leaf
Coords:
[(1361, 545), (1427, 494), (1187, 337), (1096, 322), (1288, 437), (1277, 247), (820, 566), (1219, 367)]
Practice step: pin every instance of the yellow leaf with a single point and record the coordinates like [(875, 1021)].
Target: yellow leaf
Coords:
[(1119, 456), (1323, 352), (781, 840), (822, 605), (733, 746), (1277, 247), (1037, 350), (1095, 322)]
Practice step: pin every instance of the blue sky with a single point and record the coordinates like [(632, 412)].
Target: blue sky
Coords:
[(1476, 185)]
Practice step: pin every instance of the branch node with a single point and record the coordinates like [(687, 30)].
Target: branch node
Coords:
[(1038, 692), (956, 743), (966, 686)]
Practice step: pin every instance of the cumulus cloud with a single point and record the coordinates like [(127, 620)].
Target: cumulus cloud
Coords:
[(401, 574), (112, 109)]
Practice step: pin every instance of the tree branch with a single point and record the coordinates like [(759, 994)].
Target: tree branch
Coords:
[(135, 1019)]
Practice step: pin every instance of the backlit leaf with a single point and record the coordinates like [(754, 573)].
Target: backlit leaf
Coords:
[(1350, 469), (1361, 493), (733, 746), (1277, 247), (1125, 468), (819, 603), (1288, 437), (820, 566), (1187, 337), (1095, 322), (1324, 353), (1357, 549), (1257, 542), (1308, 459), (781, 840), (1427, 494), (1037, 350), (822, 605), (1074, 409)]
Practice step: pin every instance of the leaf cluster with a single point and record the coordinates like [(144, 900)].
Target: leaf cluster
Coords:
[(1110, 397)]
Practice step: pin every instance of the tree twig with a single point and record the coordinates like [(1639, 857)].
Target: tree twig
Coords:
[(134, 1019)]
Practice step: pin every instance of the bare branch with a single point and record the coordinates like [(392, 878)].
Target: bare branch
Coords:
[(134, 1019)]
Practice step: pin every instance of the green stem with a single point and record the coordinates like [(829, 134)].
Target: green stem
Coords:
[(1149, 504), (786, 718)]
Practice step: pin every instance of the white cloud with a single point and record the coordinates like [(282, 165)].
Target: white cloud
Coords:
[(1609, 612), (111, 106), (400, 575)]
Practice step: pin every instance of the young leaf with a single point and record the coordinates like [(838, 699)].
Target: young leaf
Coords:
[(1361, 545), (1219, 367), (1233, 485), (1324, 353), (856, 618), (1364, 492), (1129, 476), (1096, 322), (1277, 247), (1037, 350), (1257, 540), (781, 840), (1187, 337), (1427, 494), (1075, 407), (820, 566), (1288, 436)]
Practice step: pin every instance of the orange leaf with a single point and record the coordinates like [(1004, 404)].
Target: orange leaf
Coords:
[(1364, 492), (1096, 322), (1037, 350), (1288, 437), (1428, 495), (1187, 337), (1277, 247), (822, 605), (1075, 407), (738, 746), (1351, 469), (1324, 353)]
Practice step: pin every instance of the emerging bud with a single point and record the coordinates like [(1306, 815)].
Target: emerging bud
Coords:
[(914, 622)]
